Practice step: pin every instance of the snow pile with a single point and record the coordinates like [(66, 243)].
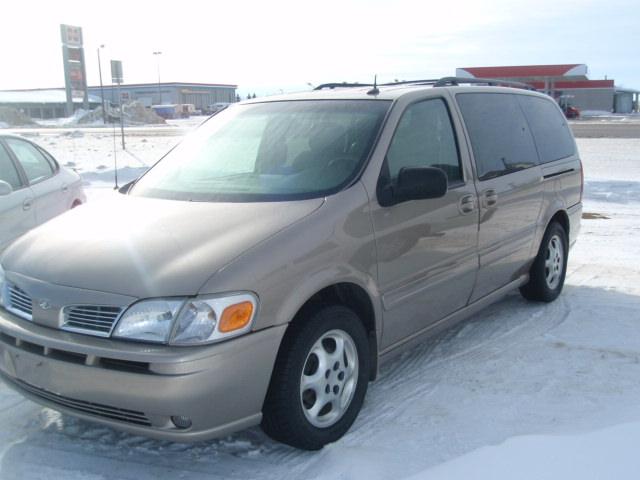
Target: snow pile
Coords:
[(10, 117), (135, 113), (88, 117), (79, 117), (595, 113), (603, 115)]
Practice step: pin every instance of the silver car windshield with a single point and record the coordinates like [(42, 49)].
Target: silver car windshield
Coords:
[(268, 152)]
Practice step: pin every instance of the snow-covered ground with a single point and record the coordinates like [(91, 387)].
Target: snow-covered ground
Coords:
[(609, 116), (519, 391)]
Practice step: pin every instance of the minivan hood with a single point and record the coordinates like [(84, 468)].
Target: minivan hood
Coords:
[(145, 247)]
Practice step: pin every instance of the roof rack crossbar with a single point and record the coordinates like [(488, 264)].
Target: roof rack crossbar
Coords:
[(342, 85), (441, 82), (495, 82), (430, 81)]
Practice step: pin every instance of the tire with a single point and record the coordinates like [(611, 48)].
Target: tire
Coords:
[(292, 415), (546, 276)]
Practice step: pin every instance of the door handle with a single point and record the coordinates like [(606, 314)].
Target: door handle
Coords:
[(490, 197), (467, 204), (26, 205), (65, 188)]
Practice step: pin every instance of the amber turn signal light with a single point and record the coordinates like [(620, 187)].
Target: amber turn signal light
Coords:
[(235, 317)]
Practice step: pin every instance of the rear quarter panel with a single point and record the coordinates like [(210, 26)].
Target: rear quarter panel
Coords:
[(562, 181)]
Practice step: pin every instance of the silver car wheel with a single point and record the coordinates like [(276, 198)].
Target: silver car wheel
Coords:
[(329, 378), (554, 262)]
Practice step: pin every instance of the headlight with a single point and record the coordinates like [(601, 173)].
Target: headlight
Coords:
[(209, 320), (193, 321), (197, 322), (149, 320)]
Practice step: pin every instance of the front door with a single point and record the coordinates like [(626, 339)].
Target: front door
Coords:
[(16, 209), (427, 257), (50, 192)]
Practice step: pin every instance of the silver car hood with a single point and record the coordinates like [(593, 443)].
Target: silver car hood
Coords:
[(144, 247)]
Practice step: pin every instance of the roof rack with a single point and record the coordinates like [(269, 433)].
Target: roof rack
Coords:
[(390, 84), (342, 85), (494, 82), (441, 82)]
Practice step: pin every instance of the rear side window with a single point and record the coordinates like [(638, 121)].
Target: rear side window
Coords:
[(8, 172), (52, 161), (549, 128), (425, 138), (499, 133), (33, 162)]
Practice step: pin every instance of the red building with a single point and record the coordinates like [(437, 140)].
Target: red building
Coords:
[(566, 83)]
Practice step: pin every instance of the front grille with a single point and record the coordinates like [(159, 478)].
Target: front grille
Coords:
[(91, 319), (19, 302), (130, 366), (97, 409)]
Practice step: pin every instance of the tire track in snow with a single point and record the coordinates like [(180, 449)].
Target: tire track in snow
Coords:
[(417, 373)]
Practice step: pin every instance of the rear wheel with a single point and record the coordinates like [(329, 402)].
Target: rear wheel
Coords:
[(320, 379), (546, 277)]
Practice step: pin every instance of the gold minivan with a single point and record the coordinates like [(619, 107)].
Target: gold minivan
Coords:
[(264, 269)]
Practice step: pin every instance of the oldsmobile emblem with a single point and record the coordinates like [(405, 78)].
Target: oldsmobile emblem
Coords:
[(44, 304)]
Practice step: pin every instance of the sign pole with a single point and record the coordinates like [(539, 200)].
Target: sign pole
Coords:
[(75, 73), (67, 81), (85, 92), (116, 77), (115, 157), (121, 116), (104, 113)]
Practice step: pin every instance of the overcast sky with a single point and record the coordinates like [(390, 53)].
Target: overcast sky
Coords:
[(265, 46)]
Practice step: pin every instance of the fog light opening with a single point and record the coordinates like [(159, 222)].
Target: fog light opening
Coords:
[(181, 422)]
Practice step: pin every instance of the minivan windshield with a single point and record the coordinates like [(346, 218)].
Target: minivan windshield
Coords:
[(269, 152)]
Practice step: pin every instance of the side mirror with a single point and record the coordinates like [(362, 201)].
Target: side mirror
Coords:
[(5, 189), (419, 183)]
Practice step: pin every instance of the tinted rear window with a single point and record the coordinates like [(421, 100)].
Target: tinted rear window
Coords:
[(500, 137), (549, 128)]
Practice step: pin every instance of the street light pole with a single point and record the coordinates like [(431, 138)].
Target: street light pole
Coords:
[(104, 113), (158, 64)]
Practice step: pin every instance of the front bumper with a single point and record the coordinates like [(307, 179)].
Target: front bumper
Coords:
[(137, 387)]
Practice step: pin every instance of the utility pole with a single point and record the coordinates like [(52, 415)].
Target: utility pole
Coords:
[(104, 113), (157, 55)]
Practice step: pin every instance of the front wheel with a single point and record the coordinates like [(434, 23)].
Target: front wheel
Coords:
[(546, 277), (320, 379)]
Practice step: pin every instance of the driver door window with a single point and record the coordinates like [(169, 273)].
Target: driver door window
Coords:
[(425, 138)]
